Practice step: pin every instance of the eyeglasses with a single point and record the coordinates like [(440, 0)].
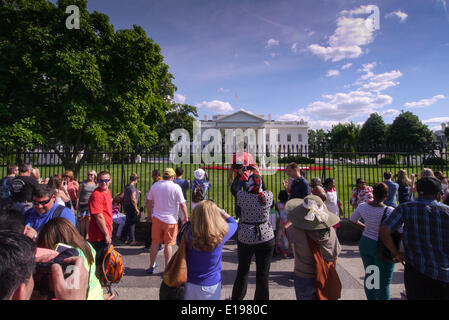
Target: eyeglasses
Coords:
[(103, 180), (42, 203)]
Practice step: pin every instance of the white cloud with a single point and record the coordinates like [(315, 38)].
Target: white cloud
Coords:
[(437, 120), (216, 106), (389, 113), (346, 42), (267, 63), (332, 73), (424, 102), (223, 90), (274, 54), (179, 98), (344, 106), (401, 15), (377, 82), (346, 66), (272, 43)]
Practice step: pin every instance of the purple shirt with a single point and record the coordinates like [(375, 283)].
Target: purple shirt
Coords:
[(204, 268)]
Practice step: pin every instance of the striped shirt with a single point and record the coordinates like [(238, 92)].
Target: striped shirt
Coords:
[(372, 216), (426, 236)]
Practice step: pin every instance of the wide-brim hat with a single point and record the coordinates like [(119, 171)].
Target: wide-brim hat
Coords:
[(310, 213), (199, 174)]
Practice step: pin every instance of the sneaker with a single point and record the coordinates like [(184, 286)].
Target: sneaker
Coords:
[(161, 247), (152, 270)]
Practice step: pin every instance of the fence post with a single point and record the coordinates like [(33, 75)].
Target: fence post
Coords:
[(323, 150), (123, 177)]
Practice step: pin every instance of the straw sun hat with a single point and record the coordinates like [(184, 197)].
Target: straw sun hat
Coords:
[(310, 213)]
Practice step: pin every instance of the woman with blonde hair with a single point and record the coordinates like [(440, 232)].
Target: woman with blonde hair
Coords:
[(405, 187), (210, 228), (61, 231)]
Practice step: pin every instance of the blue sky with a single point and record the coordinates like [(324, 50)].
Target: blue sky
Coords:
[(317, 60)]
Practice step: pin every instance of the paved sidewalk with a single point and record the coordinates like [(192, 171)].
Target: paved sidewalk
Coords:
[(137, 285)]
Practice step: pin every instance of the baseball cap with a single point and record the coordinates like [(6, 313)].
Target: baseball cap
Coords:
[(169, 172)]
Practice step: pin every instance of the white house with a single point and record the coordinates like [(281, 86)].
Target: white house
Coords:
[(293, 134)]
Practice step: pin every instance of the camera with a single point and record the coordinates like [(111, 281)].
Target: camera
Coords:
[(42, 274)]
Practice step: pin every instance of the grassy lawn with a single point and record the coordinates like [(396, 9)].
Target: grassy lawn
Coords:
[(345, 176)]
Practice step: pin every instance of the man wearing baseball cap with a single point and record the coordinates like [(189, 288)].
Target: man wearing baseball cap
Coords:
[(426, 242), (167, 197)]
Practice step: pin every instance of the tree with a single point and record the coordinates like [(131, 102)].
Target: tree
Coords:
[(180, 117), (373, 132), (316, 137), (343, 137), (80, 86), (408, 130)]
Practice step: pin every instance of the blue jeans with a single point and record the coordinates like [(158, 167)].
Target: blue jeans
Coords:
[(305, 288), (368, 252), (197, 292)]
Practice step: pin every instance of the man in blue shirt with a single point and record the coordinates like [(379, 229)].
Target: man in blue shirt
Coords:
[(426, 242), (43, 209), (392, 190), (298, 186)]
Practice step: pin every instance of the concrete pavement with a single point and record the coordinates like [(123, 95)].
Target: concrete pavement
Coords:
[(137, 285)]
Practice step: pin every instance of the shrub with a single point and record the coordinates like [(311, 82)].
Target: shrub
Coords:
[(297, 159), (434, 161), (392, 159)]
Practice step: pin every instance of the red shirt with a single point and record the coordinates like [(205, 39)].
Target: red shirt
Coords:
[(100, 202)]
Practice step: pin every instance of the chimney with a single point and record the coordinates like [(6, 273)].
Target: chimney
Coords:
[(205, 117), (269, 117)]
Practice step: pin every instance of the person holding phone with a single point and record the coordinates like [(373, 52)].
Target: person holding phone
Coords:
[(17, 265)]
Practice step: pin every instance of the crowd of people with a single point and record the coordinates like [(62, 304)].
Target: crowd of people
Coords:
[(39, 216)]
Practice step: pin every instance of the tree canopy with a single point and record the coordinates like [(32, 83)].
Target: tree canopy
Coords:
[(408, 129), (373, 131), (70, 87)]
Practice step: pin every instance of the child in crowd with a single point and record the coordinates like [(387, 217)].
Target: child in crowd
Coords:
[(282, 245), (200, 185), (118, 217)]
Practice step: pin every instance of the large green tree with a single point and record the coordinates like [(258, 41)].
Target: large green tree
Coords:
[(180, 117), (344, 136), (372, 133), (73, 87), (408, 130)]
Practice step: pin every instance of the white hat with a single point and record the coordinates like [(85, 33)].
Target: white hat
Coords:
[(199, 174)]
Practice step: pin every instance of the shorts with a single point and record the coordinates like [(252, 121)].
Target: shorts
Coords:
[(197, 292), (85, 213), (163, 232)]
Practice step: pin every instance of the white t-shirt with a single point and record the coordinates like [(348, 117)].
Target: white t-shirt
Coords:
[(372, 217), (166, 196)]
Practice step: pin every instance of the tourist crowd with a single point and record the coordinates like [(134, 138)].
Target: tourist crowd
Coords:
[(40, 216)]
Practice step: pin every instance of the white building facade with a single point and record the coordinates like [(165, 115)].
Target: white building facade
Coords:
[(291, 135)]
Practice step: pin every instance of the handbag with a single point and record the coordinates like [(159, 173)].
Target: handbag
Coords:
[(175, 275), (382, 251)]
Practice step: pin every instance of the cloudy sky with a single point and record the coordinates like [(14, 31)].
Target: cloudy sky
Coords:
[(324, 61)]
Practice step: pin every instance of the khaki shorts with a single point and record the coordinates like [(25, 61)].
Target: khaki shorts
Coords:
[(163, 232)]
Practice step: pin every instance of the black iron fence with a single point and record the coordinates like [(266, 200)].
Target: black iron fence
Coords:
[(343, 163)]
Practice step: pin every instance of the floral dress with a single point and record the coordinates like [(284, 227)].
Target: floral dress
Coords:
[(282, 245)]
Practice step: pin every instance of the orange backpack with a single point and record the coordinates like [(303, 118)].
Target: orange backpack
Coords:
[(111, 267)]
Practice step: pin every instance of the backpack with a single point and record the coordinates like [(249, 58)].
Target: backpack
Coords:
[(111, 268), (5, 191), (198, 194)]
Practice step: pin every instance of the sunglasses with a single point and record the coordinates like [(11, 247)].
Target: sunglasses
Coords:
[(103, 180), (42, 203)]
